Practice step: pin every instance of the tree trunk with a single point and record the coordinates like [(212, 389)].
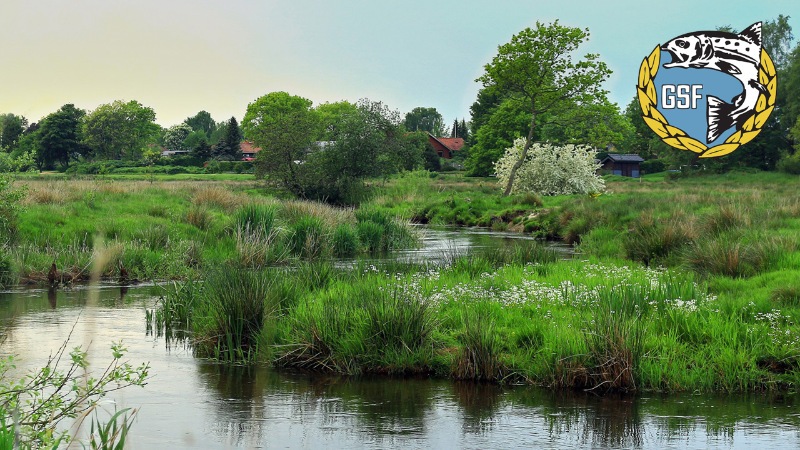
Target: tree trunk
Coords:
[(518, 164)]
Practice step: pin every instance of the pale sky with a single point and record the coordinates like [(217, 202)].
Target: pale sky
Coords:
[(182, 56)]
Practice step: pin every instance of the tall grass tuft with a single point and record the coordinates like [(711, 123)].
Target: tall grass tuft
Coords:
[(237, 303), (7, 277), (398, 329), (308, 238), (614, 341), (200, 217), (258, 248), (479, 358), (345, 241), (254, 217), (371, 236), (521, 253), (651, 240), (732, 256)]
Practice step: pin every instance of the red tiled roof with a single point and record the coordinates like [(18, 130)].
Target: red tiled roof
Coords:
[(248, 147), (453, 144)]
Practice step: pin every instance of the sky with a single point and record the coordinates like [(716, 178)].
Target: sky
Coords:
[(183, 56)]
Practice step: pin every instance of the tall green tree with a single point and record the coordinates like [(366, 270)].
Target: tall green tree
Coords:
[(202, 121), (11, 128), (332, 116), (59, 137), (120, 130), (425, 119), (537, 67), (284, 127), (229, 148)]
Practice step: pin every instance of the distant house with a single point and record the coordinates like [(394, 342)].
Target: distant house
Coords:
[(248, 151), (625, 165), (446, 147), (165, 152)]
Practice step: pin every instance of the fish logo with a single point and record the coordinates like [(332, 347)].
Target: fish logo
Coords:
[(714, 94)]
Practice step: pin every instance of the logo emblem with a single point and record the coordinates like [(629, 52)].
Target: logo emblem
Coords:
[(708, 92)]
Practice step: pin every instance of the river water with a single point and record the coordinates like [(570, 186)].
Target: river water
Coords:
[(192, 403)]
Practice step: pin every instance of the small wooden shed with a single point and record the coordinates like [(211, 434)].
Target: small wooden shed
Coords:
[(625, 165)]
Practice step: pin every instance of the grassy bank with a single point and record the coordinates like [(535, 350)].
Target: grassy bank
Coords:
[(175, 229), (602, 326)]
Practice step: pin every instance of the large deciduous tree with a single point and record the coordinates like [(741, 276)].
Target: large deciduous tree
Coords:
[(537, 67), (202, 121), (425, 119), (59, 137), (284, 127), (120, 130), (11, 128)]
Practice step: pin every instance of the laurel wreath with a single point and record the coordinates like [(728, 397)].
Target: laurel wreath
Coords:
[(676, 137)]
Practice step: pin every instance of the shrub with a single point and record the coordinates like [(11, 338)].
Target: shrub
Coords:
[(551, 170), (653, 166), (790, 164)]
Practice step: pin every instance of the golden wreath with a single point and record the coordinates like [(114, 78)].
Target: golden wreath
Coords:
[(675, 137)]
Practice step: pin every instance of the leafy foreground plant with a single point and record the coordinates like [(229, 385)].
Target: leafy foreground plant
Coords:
[(33, 407)]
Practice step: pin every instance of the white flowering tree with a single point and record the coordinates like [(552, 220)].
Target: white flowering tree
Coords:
[(549, 169)]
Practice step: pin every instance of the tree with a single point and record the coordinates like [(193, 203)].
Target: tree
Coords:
[(598, 125), (331, 117), (284, 127), (425, 119), (201, 151), (777, 40), (202, 121), (368, 142), (548, 169), (229, 148), (175, 136), (120, 130), (11, 128), (537, 66), (501, 127), (60, 137)]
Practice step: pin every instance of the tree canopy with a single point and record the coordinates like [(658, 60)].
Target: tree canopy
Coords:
[(425, 119), (283, 126), (120, 130), (537, 67)]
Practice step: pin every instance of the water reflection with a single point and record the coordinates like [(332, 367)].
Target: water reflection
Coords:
[(52, 296)]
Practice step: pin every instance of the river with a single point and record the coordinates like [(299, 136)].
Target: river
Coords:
[(192, 403)]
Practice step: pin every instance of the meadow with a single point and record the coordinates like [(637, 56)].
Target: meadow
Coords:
[(175, 228)]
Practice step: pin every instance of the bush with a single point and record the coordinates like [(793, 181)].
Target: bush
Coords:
[(653, 166), (551, 170), (790, 164)]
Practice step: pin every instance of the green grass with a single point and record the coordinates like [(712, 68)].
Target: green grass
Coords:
[(591, 325), (172, 229)]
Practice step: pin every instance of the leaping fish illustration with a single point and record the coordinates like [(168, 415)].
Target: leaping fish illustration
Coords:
[(738, 55)]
